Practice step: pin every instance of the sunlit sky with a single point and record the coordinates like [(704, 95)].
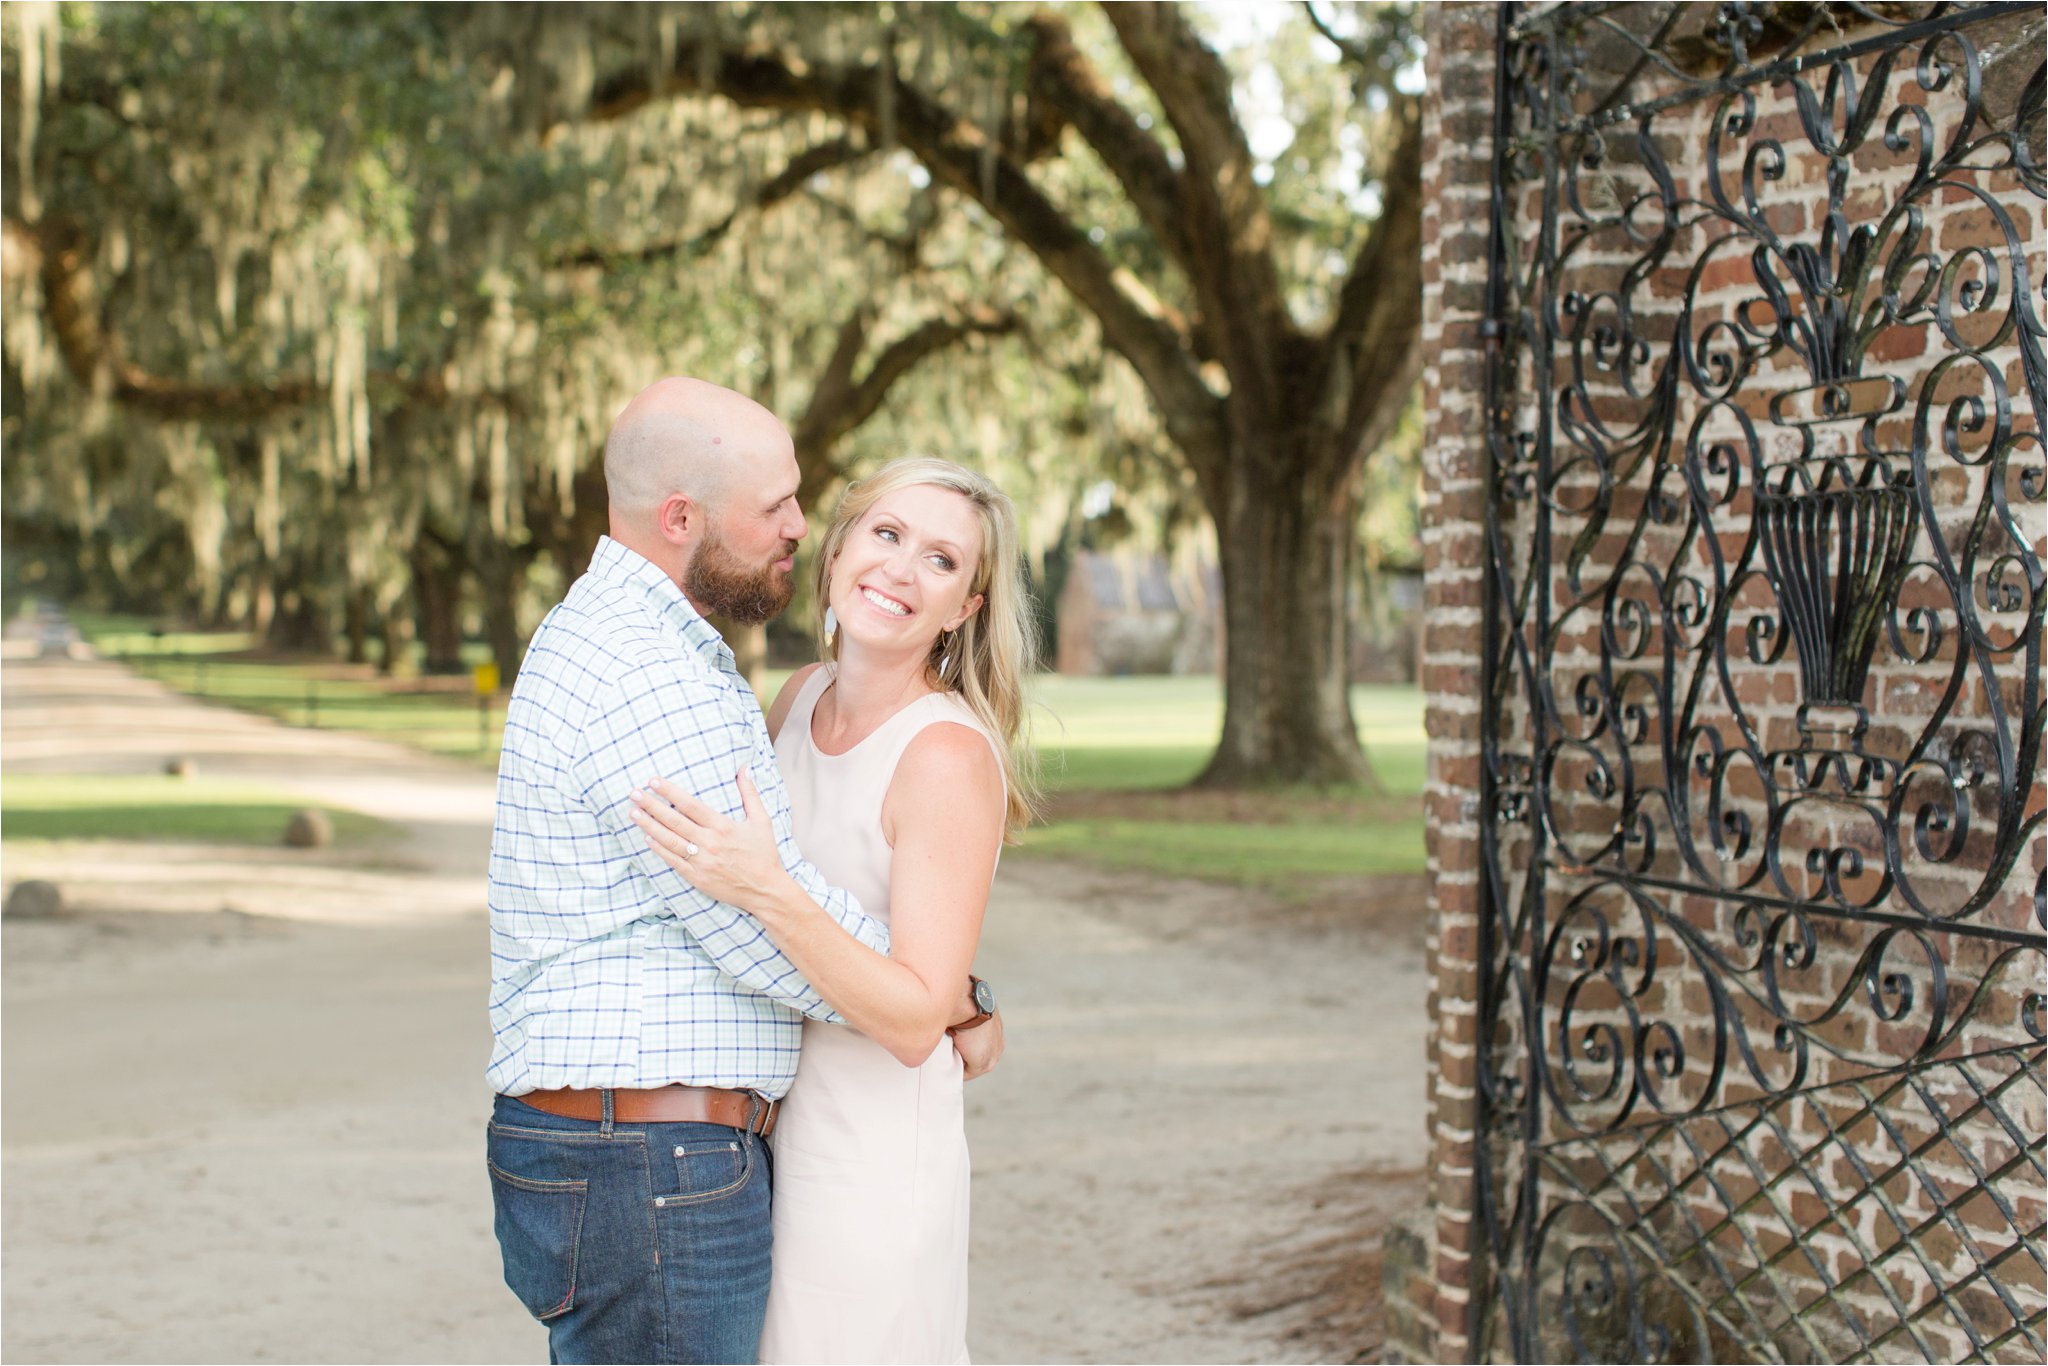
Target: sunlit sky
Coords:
[(1260, 102), (1245, 23)]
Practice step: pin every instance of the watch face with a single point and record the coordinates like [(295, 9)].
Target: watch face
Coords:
[(985, 998)]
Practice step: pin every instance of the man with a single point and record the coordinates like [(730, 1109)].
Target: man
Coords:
[(644, 1033)]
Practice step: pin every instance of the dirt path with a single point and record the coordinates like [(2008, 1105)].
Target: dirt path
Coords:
[(244, 1096)]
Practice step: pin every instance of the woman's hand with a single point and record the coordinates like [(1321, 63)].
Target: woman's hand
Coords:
[(980, 1048), (735, 861)]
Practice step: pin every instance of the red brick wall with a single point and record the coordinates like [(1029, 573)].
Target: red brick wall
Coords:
[(1458, 139)]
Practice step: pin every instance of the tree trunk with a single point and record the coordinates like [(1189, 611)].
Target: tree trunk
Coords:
[(358, 625), (302, 624), (570, 537), (394, 639), (214, 612), (503, 577), (437, 592), (262, 599), (1286, 549), (750, 653)]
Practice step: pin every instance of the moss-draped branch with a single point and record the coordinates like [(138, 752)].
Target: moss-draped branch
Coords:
[(1208, 215)]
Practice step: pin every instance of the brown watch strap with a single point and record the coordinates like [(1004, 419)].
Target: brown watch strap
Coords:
[(980, 1017)]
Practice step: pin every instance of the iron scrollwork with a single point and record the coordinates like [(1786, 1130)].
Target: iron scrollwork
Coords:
[(1765, 709)]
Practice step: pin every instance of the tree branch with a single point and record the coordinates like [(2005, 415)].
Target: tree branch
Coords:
[(57, 250), (839, 403), (1348, 50), (826, 156), (903, 247), (1234, 274), (831, 394), (1067, 79), (953, 148), (1379, 307)]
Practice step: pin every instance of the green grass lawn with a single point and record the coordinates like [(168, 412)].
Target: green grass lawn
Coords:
[(1125, 734), (436, 714), (137, 639), (1113, 750), (67, 806), (1279, 857)]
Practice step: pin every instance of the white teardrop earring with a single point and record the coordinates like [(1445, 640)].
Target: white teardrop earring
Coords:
[(946, 655), (831, 627)]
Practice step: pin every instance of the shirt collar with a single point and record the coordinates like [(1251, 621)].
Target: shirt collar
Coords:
[(628, 568)]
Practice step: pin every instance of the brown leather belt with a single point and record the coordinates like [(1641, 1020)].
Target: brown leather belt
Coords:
[(663, 1105)]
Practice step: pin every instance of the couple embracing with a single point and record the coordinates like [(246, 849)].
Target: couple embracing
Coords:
[(731, 954)]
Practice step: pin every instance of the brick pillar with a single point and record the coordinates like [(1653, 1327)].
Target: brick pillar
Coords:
[(1434, 1300)]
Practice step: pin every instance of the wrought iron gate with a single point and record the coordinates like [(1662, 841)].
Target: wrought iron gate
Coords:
[(1761, 1017)]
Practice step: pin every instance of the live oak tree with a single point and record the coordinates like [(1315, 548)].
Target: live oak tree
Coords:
[(1273, 324), (307, 321)]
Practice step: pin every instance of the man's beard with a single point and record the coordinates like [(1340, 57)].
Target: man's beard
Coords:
[(724, 585)]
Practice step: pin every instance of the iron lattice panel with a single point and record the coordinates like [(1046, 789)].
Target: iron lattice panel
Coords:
[(1761, 1017), (1731, 1235)]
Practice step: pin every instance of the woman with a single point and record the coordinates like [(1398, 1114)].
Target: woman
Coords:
[(907, 770)]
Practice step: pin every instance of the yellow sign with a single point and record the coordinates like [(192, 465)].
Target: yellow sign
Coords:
[(486, 679)]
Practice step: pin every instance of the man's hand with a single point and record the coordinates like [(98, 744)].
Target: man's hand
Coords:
[(981, 1047)]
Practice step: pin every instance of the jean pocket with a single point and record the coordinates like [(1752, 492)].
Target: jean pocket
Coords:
[(539, 1225), (709, 1168)]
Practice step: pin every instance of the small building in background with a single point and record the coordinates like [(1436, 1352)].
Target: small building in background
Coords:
[(1126, 612)]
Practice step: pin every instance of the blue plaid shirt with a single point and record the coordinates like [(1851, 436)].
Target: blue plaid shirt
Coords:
[(607, 968)]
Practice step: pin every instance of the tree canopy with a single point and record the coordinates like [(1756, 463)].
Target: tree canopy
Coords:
[(316, 314)]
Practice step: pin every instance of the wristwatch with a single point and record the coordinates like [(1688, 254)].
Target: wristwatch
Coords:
[(984, 1005)]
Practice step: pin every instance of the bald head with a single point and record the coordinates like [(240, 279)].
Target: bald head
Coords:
[(686, 436), (702, 482)]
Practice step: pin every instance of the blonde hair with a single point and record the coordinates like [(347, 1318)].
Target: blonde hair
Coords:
[(996, 648)]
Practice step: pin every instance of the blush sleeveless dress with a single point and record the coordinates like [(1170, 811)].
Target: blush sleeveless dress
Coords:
[(871, 1171)]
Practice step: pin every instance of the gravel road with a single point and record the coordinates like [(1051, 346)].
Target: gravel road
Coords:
[(244, 1101)]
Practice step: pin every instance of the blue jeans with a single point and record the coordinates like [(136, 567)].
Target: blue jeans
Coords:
[(633, 1242)]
